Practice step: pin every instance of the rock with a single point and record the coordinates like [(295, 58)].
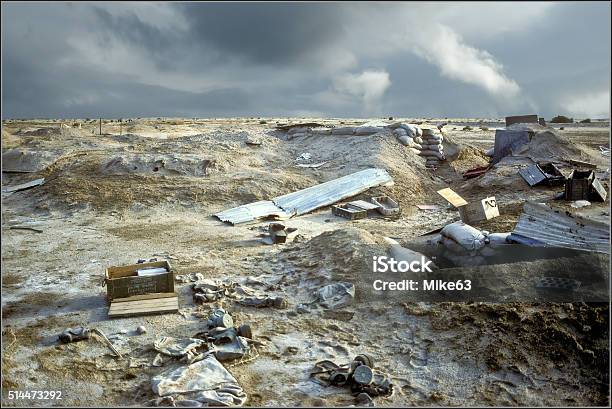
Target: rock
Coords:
[(141, 329)]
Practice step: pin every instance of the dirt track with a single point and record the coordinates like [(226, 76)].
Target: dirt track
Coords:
[(152, 191)]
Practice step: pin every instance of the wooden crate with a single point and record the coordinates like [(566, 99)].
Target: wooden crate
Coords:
[(123, 281), (578, 185), (484, 209)]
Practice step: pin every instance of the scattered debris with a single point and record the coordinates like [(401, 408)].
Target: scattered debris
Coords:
[(107, 341), (484, 209), (74, 334), (220, 318), (546, 173), (24, 228), (278, 233), (337, 295), (205, 382), (349, 211), (23, 186), (359, 375), (141, 330), (385, 205), (581, 164), (304, 157), (580, 203), (475, 172), (310, 165), (428, 207), (212, 290)]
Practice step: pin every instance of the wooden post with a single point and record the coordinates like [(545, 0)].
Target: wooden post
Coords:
[(100, 126)]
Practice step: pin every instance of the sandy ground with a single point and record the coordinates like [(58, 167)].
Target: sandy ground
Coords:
[(149, 188)]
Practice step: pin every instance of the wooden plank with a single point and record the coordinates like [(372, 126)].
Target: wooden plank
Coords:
[(142, 303), (23, 186), (133, 308), (145, 297), (452, 197)]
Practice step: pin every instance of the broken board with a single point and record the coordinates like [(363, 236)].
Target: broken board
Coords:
[(164, 305), (23, 186), (452, 197)]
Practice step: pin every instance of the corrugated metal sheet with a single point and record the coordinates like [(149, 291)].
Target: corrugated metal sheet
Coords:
[(250, 212), (540, 225), (309, 199)]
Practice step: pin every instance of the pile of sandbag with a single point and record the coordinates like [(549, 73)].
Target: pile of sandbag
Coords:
[(424, 142)]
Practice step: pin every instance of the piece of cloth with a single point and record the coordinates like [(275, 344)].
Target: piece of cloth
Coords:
[(205, 381)]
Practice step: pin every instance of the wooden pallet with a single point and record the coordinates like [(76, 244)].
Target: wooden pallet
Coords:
[(132, 308)]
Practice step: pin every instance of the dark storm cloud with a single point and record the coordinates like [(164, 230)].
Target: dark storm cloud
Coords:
[(266, 33), (256, 59)]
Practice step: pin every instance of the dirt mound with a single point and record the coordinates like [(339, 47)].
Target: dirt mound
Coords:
[(9, 140), (335, 256), (469, 158), (549, 145), (20, 160), (186, 165)]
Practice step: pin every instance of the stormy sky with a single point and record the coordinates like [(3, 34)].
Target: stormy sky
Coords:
[(78, 60)]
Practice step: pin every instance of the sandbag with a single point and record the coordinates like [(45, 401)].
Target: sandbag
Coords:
[(345, 130), (296, 135), (490, 152), (367, 130), (427, 152), (465, 235), (321, 131), (498, 238), (400, 132), (437, 148), (415, 151), (406, 140), (297, 129), (411, 130), (419, 132), (419, 140), (428, 132)]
